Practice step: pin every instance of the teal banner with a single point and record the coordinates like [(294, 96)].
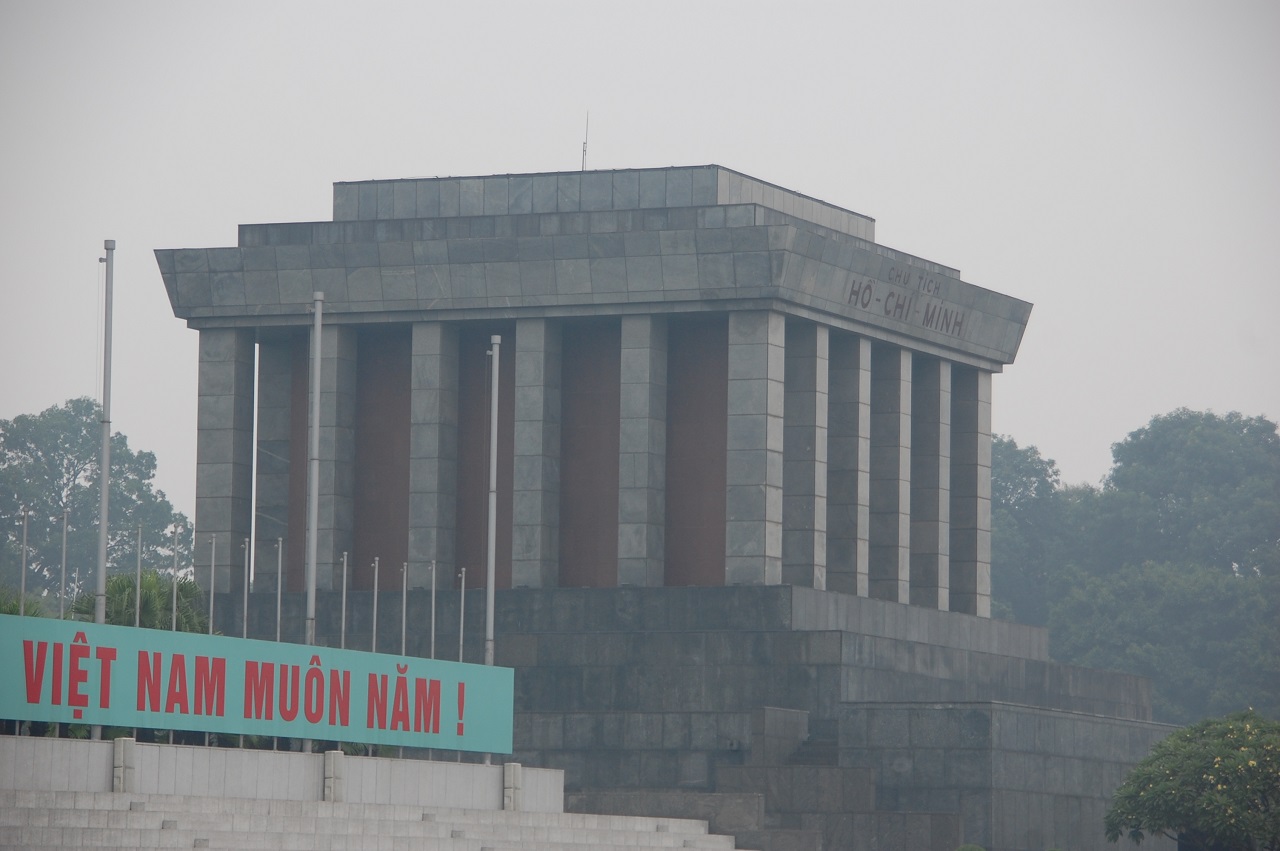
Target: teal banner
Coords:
[(79, 673)]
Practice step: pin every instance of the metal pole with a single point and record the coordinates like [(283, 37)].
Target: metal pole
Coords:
[(493, 499), (462, 619), (313, 465), (100, 595), (433, 608), (404, 615), (374, 642), (62, 596), (275, 740), (137, 596), (137, 584), (22, 577), (244, 614), (279, 581), (462, 609), (343, 641), (213, 580), (213, 575), (174, 624)]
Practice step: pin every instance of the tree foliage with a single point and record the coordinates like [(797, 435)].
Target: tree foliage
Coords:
[(157, 602), (1193, 487), (1025, 519), (1209, 641), (49, 464), (1213, 786), (1168, 569)]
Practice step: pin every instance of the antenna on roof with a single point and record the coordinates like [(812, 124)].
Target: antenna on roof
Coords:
[(585, 132)]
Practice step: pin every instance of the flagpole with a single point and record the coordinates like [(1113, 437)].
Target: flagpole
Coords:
[(104, 462), (313, 464), (491, 565), (104, 472), (313, 474)]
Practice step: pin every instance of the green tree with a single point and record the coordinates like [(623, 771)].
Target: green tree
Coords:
[(9, 604), (49, 464), (1193, 487), (1209, 640), (1212, 787), (1169, 570), (1026, 518), (157, 602)]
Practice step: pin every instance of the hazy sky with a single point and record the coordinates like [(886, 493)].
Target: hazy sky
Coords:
[(1115, 163)]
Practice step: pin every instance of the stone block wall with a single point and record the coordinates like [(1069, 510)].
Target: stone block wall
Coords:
[(1020, 777), (965, 724)]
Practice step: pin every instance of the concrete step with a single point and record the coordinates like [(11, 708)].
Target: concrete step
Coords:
[(816, 752), (13, 803), (125, 820), (782, 839), (179, 833), (723, 812), (803, 788), (40, 838), (172, 830)]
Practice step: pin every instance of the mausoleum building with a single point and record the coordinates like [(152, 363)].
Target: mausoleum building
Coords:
[(706, 379), (743, 497)]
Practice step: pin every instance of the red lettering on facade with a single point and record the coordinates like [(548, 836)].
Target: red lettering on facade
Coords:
[(339, 698), (259, 681), (105, 656), (289, 682), (78, 677), (426, 706), (211, 685), (400, 706), (313, 694), (34, 654), (377, 703), (57, 673), (176, 699), (148, 681)]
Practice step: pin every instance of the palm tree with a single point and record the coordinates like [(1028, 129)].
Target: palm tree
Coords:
[(9, 604), (157, 602)]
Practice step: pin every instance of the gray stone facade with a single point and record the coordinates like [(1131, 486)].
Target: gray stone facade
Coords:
[(642, 450), (793, 717), (433, 447), (224, 455), (831, 479), (769, 403)]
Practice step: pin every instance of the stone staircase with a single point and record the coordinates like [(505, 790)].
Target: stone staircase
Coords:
[(43, 819)]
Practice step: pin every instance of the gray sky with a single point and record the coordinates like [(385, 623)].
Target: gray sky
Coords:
[(1115, 163)]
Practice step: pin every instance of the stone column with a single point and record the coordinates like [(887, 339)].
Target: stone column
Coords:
[(337, 453), (849, 465), (890, 509), (804, 466), (433, 452), (971, 491), (275, 390), (642, 451), (753, 531), (224, 454), (930, 481), (535, 547)]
